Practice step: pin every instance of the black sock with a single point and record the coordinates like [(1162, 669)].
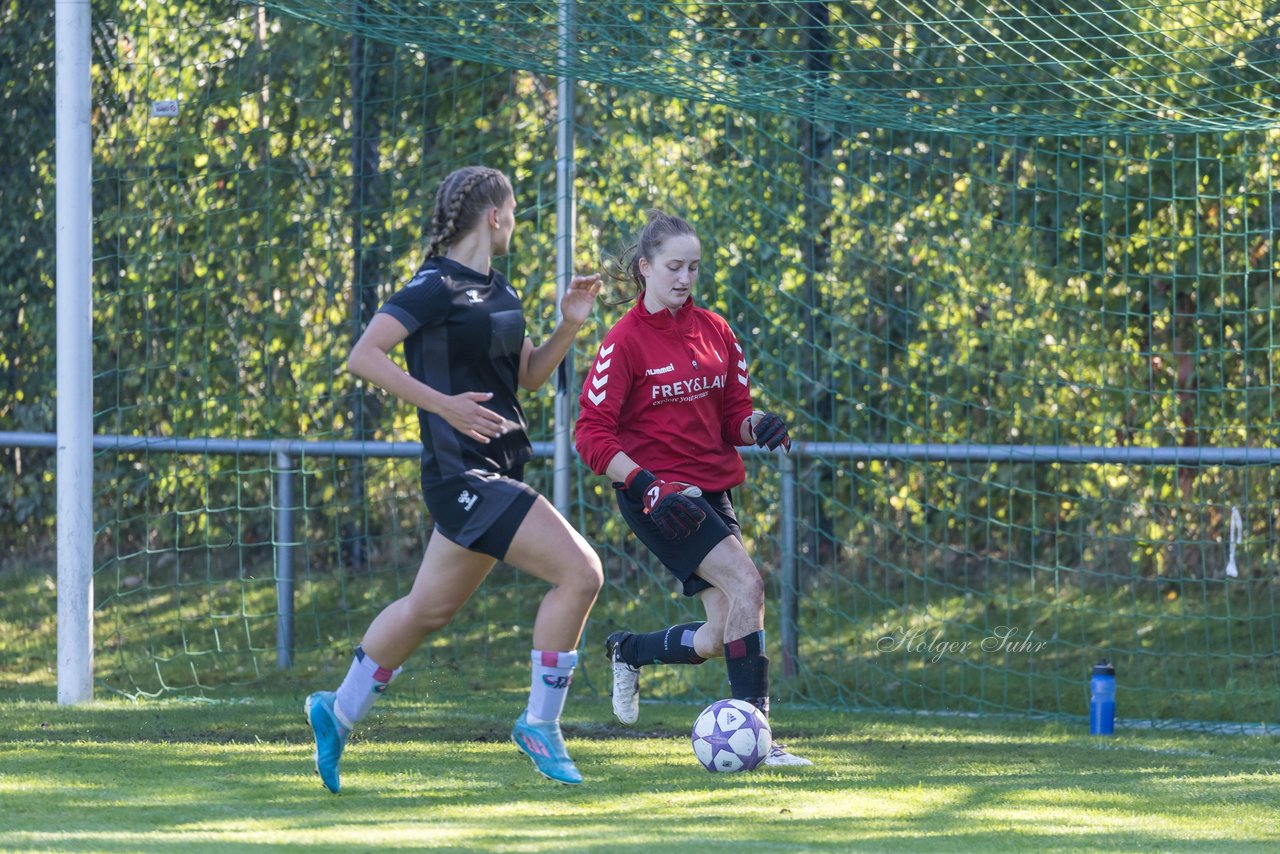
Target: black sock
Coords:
[(672, 645), (749, 670)]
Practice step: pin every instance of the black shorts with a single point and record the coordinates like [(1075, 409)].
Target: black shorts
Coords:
[(682, 557), (480, 510)]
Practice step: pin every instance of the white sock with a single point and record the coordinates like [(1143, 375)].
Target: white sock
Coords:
[(357, 693), (552, 674)]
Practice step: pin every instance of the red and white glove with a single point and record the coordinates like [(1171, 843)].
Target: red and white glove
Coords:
[(770, 432), (668, 503)]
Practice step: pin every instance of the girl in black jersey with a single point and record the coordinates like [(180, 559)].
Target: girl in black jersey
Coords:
[(463, 333)]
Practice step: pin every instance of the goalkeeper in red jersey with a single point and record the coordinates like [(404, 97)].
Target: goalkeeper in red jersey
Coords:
[(662, 411)]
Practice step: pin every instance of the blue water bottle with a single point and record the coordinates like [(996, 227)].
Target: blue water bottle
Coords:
[(1102, 699)]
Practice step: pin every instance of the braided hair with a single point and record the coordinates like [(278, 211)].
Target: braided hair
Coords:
[(656, 232), (462, 197)]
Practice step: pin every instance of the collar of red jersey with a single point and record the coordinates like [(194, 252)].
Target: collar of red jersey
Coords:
[(663, 317)]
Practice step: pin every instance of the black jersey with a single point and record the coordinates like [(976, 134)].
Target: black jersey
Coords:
[(466, 330)]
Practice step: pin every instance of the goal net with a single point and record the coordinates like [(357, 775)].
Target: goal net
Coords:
[(1008, 269)]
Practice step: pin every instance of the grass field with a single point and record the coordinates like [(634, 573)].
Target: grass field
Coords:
[(441, 774), (1202, 652), (433, 767)]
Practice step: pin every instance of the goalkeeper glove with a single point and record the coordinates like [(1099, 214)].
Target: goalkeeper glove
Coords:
[(668, 503), (770, 432)]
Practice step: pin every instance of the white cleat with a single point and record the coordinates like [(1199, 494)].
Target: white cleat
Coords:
[(780, 757), (626, 681)]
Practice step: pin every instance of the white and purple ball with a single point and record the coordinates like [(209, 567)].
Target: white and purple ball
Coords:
[(731, 735)]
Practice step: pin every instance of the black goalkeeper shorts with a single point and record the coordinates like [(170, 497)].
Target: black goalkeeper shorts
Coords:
[(682, 557)]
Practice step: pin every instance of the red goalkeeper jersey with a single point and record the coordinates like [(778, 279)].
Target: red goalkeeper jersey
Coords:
[(670, 391)]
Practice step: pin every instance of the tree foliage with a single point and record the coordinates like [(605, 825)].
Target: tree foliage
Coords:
[(891, 285), (27, 255)]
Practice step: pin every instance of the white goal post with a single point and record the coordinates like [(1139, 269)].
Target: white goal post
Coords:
[(74, 212)]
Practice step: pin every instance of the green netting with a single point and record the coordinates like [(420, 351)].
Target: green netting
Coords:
[(1076, 66), (942, 224)]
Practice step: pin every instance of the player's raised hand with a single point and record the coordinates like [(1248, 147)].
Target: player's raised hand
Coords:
[(770, 431), (580, 297), (466, 415)]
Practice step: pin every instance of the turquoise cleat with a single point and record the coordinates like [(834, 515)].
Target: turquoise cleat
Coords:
[(331, 737), (545, 746)]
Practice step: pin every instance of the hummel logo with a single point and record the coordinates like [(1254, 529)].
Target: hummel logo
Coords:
[(473, 295), (653, 372), (466, 499), (601, 378)]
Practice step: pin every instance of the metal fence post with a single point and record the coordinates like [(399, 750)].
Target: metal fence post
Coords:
[(790, 588), (565, 214), (284, 560)]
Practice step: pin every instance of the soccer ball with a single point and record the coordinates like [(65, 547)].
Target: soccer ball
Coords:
[(731, 735)]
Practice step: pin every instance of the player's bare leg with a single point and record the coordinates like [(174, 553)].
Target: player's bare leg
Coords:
[(741, 613), (547, 547), (446, 578)]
